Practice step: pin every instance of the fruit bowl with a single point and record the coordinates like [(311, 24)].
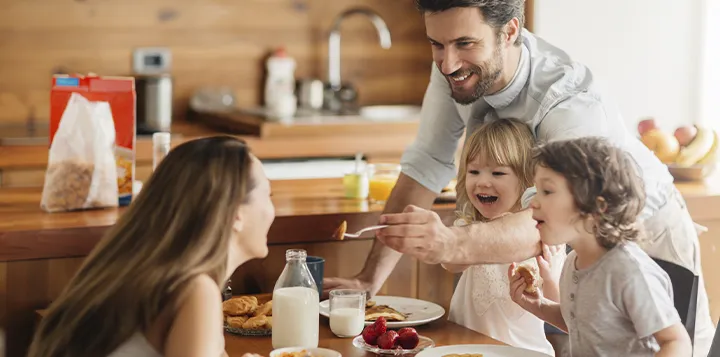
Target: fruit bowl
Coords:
[(691, 173), (424, 342)]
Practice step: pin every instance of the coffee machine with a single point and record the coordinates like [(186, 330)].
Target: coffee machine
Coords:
[(154, 88)]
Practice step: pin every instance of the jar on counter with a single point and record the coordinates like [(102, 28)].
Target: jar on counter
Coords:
[(161, 147), (296, 304), (356, 185)]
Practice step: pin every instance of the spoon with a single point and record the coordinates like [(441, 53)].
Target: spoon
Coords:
[(340, 231), (366, 229)]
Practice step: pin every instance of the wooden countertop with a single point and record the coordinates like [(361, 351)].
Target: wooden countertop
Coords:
[(311, 209)]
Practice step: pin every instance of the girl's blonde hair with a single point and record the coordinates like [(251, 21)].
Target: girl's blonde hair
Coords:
[(502, 142), (178, 227)]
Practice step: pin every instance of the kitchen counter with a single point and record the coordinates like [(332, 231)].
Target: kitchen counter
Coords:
[(311, 209), (40, 252)]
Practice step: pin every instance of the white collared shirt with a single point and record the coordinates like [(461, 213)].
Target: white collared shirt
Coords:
[(554, 95)]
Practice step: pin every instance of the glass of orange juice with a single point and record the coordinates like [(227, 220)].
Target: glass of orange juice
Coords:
[(382, 179)]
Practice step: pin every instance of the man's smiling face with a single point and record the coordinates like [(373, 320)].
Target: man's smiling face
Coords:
[(467, 51)]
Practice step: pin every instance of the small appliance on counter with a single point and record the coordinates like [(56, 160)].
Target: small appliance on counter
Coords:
[(153, 85)]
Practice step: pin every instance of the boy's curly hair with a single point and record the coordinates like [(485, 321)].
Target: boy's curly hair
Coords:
[(604, 182)]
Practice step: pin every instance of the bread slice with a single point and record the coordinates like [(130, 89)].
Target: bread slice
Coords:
[(531, 276)]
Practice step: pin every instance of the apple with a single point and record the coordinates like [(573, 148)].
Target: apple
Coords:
[(662, 144), (387, 340), (646, 125), (685, 134)]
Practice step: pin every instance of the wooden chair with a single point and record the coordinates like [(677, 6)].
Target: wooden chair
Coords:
[(715, 347), (685, 291)]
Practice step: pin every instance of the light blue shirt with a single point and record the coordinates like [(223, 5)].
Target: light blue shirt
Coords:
[(554, 95)]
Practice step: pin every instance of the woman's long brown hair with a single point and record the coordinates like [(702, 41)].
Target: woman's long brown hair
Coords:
[(178, 227)]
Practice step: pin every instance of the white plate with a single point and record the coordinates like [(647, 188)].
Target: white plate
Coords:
[(419, 312), (486, 350), (317, 352)]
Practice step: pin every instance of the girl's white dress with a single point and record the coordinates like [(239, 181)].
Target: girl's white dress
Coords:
[(481, 302)]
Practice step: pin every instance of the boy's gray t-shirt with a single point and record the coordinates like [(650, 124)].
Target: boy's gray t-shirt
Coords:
[(614, 307)]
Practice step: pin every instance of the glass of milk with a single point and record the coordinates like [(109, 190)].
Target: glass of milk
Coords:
[(347, 312)]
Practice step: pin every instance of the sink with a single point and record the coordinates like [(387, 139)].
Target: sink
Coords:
[(390, 112)]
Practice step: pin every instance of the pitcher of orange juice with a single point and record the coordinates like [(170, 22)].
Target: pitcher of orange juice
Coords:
[(382, 179)]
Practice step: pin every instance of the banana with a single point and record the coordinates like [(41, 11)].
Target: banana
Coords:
[(697, 149), (712, 155)]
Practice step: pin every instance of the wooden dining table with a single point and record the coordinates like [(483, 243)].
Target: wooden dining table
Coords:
[(442, 332)]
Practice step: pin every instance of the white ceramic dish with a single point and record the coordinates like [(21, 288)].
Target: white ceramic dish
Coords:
[(485, 350), (424, 343), (314, 352), (419, 312), (390, 112)]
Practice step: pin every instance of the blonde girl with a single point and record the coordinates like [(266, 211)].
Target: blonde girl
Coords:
[(152, 285), (494, 171)]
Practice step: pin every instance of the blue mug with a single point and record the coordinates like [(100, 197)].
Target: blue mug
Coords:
[(316, 265)]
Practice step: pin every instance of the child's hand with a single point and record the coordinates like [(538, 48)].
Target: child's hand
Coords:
[(544, 260), (529, 302), (550, 282)]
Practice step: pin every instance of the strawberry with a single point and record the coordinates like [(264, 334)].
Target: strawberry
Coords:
[(408, 338), (406, 329), (370, 335), (387, 340), (380, 325)]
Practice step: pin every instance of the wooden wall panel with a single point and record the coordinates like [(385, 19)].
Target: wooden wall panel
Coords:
[(213, 43)]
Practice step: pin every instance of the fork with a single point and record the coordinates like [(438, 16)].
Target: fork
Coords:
[(366, 229)]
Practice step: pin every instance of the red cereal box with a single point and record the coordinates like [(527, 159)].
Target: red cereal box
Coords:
[(119, 92)]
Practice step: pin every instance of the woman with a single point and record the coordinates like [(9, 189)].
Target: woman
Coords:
[(151, 287)]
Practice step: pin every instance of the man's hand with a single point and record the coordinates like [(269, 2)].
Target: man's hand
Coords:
[(417, 232), (357, 283)]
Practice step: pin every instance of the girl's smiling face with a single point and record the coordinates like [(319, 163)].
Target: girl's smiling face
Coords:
[(492, 189)]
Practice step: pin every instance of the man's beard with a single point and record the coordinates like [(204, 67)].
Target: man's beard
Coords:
[(488, 72)]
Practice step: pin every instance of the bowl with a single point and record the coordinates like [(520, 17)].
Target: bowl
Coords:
[(691, 173), (424, 343), (313, 351)]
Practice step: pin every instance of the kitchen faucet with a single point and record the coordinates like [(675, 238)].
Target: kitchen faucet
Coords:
[(336, 95)]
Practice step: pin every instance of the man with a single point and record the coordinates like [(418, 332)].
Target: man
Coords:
[(486, 66)]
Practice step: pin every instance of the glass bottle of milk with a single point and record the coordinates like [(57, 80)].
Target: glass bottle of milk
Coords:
[(296, 302)]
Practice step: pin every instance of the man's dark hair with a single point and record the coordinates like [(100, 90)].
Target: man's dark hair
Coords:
[(497, 13)]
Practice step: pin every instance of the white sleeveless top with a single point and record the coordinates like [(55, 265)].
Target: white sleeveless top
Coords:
[(136, 346), (482, 303)]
